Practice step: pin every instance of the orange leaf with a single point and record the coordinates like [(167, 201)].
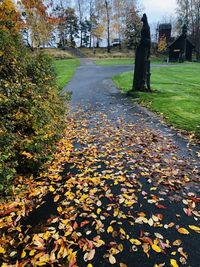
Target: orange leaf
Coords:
[(84, 223), (160, 207), (183, 231)]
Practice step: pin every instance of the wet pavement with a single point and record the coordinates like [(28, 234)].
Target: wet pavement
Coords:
[(122, 188), (93, 90)]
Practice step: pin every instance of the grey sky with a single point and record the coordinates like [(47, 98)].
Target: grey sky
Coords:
[(157, 9)]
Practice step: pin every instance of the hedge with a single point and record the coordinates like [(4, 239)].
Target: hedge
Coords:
[(31, 109)]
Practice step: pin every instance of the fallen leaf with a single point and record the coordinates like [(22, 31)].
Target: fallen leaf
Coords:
[(177, 242), (156, 248), (112, 259), (195, 228), (159, 206), (91, 255), (99, 203), (110, 229), (23, 255), (183, 231), (173, 263), (135, 242), (51, 188), (158, 235), (2, 250)]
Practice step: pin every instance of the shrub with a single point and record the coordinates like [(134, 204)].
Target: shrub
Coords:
[(30, 107)]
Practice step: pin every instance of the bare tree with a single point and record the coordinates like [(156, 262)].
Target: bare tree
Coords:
[(189, 13)]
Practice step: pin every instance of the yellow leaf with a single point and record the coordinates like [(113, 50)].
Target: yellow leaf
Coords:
[(122, 264), (98, 211), (156, 248), (122, 231), (116, 212), (2, 250), (195, 228), (32, 252), (51, 188), (183, 231), (89, 265), (59, 209), (173, 263), (121, 247), (100, 243), (110, 229), (41, 263), (177, 242), (23, 255), (112, 259), (46, 235), (135, 242)]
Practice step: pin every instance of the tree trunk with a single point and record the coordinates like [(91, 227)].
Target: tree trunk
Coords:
[(108, 25), (81, 45)]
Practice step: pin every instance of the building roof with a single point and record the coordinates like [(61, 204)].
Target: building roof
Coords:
[(177, 39)]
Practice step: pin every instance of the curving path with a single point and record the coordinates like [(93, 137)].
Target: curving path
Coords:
[(93, 90)]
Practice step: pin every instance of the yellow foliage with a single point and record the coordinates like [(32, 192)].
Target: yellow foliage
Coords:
[(162, 45), (9, 16)]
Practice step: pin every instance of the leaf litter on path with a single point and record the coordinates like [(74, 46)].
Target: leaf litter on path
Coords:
[(118, 195)]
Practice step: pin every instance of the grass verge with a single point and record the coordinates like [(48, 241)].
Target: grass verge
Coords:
[(176, 94), (114, 61), (65, 70), (125, 61)]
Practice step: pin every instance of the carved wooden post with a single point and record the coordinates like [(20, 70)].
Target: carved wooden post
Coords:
[(141, 81)]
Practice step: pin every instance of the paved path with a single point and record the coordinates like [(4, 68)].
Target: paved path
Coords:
[(92, 88), (122, 189)]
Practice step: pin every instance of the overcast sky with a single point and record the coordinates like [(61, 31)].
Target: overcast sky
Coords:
[(157, 9)]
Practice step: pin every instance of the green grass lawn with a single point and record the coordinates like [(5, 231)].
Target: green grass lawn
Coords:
[(125, 61), (65, 69), (176, 95)]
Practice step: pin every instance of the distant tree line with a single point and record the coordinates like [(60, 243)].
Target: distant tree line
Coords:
[(94, 20), (89, 21)]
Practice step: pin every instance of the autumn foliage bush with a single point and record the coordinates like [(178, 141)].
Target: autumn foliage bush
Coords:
[(31, 110)]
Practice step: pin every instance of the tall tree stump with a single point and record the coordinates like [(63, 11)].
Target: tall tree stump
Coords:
[(141, 81)]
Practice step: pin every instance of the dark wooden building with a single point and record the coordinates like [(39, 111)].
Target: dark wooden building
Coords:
[(181, 49)]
